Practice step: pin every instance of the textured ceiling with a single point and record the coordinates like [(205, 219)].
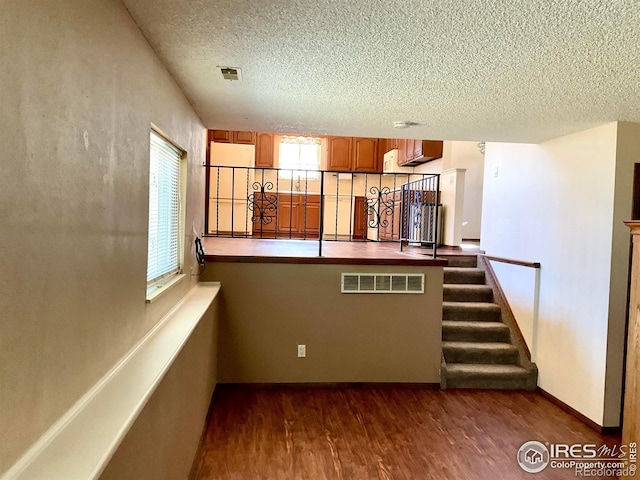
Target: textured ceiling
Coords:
[(519, 70)]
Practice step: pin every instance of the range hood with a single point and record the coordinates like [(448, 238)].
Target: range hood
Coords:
[(391, 163)]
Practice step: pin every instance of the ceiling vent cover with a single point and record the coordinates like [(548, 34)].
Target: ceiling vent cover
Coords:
[(231, 73), (382, 283)]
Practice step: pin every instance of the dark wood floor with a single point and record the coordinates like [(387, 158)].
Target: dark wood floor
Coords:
[(384, 434)]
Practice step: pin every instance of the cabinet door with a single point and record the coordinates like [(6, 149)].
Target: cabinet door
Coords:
[(309, 216), (221, 136), (384, 146), (365, 154), (245, 138), (288, 217), (402, 151), (264, 150), (359, 218), (417, 149), (263, 215), (409, 150), (339, 158)]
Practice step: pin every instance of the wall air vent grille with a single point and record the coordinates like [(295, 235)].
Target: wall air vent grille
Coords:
[(382, 283), (231, 73)]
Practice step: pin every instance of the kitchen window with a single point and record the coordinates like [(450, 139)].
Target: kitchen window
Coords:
[(299, 157), (165, 211)]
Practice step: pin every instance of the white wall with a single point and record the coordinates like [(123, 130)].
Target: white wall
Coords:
[(554, 203), (462, 156), (79, 89), (452, 198), (467, 156)]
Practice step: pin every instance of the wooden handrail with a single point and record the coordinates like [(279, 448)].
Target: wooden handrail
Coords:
[(513, 262)]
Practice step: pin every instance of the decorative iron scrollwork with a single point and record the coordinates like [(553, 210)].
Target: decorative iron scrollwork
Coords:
[(263, 205), (380, 207)]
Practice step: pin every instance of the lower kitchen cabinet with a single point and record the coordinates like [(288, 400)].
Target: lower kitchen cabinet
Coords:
[(296, 216), (390, 216), (360, 218)]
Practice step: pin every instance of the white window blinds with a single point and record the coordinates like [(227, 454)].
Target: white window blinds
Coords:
[(164, 209)]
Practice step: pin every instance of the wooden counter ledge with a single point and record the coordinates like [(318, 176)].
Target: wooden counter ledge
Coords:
[(306, 252)]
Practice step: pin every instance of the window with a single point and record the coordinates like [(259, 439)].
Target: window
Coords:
[(165, 212), (299, 157)]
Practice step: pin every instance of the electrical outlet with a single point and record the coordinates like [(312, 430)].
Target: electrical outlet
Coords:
[(302, 351)]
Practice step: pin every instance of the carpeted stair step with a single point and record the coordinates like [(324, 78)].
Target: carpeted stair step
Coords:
[(465, 375), (467, 261), (471, 311), (468, 331), (480, 352), (467, 293), (463, 275)]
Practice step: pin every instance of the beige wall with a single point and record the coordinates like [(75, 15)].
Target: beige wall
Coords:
[(266, 310), (164, 439), (79, 90), (561, 203)]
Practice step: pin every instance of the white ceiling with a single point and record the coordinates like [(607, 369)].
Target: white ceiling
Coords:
[(518, 70)]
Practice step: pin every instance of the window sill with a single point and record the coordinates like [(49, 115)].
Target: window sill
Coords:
[(71, 448), (158, 290)]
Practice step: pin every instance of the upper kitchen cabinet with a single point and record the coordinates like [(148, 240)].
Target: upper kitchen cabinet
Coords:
[(365, 155), (420, 151), (391, 144), (384, 146), (231, 136), (339, 158), (246, 138), (264, 150), (353, 154), (221, 136)]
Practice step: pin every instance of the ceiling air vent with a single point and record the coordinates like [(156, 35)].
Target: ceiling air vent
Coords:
[(231, 73), (382, 283)]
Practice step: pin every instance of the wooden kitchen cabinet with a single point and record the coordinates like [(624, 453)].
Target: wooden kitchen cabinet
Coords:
[(353, 154), (232, 136), (402, 151), (265, 205), (297, 216), (365, 155), (420, 151), (360, 218), (339, 157), (432, 149), (288, 214), (390, 219), (221, 136), (310, 215), (245, 138), (384, 145), (391, 143), (264, 150)]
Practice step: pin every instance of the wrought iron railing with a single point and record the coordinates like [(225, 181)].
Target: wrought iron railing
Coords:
[(422, 212), (321, 205)]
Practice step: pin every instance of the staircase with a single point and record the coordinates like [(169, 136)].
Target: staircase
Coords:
[(481, 345)]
